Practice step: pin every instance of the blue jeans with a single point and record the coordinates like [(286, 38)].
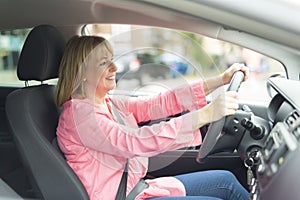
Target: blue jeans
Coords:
[(210, 185)]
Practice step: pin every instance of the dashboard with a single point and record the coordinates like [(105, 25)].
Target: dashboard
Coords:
[(277, 173)]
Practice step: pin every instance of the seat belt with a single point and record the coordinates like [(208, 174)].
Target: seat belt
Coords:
[(121, 193), (140, 186)]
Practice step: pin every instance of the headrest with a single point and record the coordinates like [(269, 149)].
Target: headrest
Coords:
[(41, 54)]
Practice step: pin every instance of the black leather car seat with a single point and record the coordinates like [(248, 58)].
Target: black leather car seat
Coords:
[(33, 117)]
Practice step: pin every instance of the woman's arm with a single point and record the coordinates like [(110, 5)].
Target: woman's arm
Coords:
[(210, 84), (186, 97), (99, 132), (213, 83)]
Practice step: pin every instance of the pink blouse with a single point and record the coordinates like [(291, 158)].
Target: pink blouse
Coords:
[(96, 146)]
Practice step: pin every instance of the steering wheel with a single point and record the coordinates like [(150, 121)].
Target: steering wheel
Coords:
[(214, 133)]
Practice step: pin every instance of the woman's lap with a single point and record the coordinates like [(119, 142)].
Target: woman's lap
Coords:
[(185, 198), (210, 185)]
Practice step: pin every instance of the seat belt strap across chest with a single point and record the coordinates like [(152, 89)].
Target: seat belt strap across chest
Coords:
[(140, 186), (121, 193)]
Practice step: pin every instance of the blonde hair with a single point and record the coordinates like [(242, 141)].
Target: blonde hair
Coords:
[(71, 70)]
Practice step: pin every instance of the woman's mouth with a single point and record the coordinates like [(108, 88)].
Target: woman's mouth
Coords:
[(111, 78)]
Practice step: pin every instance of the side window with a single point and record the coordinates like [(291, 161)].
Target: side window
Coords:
[(261, 67), (155, 59), (11, 43)]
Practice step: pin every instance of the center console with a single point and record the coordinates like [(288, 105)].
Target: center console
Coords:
[(278, 171)]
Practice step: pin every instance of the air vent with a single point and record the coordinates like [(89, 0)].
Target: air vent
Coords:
[(293, 120)]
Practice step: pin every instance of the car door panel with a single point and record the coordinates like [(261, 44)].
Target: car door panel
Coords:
[(180, 162)]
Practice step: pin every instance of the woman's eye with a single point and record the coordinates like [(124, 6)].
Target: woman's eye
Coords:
[(102, 63), (105, 62)]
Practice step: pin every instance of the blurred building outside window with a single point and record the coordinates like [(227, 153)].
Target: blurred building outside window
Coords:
[(188, 57)]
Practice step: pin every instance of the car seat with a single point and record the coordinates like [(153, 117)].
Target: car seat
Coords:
[(33, 117)]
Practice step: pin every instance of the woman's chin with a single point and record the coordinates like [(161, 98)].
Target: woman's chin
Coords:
[(111, 86)]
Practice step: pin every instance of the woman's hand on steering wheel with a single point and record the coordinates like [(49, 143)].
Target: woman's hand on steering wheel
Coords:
[(224, 105), (228, 73)]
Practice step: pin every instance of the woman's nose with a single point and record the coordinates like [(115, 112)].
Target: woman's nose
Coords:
[(113, 67)]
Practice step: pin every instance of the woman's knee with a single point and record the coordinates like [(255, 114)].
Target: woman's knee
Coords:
[(226, 174)]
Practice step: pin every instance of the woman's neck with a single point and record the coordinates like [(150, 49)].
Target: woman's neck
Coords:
[(95, 99), (100, 101)]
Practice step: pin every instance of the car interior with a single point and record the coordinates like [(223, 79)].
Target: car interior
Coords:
[(36, 137), (259, 144)]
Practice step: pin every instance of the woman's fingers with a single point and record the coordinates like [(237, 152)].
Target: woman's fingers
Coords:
[(225, 104), (246, 71), (231, 103), (227, 75)]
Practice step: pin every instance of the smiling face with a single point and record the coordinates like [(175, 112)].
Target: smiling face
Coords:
[(100, 73)]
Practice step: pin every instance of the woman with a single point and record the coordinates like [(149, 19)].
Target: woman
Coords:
[(97, 147)]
